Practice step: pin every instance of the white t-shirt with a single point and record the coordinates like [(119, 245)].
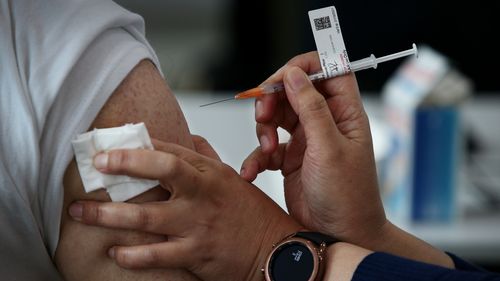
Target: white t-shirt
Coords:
[(60, 60)]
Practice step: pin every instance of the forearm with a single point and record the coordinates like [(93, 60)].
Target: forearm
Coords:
[(395, 241), (342, 260), (385, 267), (347, 262)]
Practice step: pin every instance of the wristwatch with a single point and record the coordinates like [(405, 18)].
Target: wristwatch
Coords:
[(298, 257)]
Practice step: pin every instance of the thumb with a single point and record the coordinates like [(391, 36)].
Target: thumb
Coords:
[(311, 108)]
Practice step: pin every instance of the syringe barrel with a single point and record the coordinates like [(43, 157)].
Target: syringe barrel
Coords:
[(369, 62)]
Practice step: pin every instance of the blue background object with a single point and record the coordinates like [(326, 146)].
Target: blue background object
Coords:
[(435, 162)]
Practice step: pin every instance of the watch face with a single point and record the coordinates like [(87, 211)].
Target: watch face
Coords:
[(292, 261)]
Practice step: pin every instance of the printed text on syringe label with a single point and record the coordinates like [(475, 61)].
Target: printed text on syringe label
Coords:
[(329, 42)]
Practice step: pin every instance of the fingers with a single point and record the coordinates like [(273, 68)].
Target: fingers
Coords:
[(169, 169), (259, 161), (171, 254), (282, 116), (188, 155), (264, 107), (272, 111), (344, 85), (309, 62), (268, 137), (203, 147), (311, 107), (162, 218)]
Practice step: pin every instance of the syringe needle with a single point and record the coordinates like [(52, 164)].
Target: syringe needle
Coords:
[(252, 93), (231, 98)]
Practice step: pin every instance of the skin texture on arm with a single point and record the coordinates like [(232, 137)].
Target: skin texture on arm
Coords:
[(143, 96)]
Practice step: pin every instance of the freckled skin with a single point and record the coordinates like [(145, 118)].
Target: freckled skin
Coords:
[(143, 96)]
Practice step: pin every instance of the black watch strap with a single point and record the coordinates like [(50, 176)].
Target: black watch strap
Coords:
[(316, 237)]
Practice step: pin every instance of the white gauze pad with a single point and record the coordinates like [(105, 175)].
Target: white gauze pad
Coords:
[(87, 145)]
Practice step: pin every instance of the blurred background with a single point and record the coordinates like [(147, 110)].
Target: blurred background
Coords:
[(234, 44), (209, 49)]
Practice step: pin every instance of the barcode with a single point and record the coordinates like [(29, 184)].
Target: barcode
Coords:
[(322, 23)]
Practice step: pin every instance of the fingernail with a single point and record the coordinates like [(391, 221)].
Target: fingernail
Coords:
[(101, 161), (76, 211), (296, 79), (264, 142), (242, 172), (277, 72), (258, 108), (111, 252)]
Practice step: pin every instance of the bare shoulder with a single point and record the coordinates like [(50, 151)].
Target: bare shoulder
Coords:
[(143, 96)]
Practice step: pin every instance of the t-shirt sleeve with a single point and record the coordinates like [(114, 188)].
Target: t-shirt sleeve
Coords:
[(87, 49), (60, 61), (382, 266), (93, 79)]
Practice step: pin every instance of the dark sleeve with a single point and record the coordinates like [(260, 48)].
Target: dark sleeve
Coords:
[(463, 265), (381, 266)]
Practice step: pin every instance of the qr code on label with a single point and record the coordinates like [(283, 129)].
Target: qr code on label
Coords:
[(322, 23)]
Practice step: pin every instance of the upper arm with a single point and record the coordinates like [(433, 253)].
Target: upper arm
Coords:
[(143, 96)]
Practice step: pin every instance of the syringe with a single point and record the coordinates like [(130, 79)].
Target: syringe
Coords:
[(369, 62)]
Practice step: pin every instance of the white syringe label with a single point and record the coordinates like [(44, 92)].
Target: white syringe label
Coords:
[(329, 42)]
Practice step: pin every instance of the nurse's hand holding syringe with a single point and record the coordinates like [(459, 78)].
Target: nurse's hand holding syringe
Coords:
[(328, 166)]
